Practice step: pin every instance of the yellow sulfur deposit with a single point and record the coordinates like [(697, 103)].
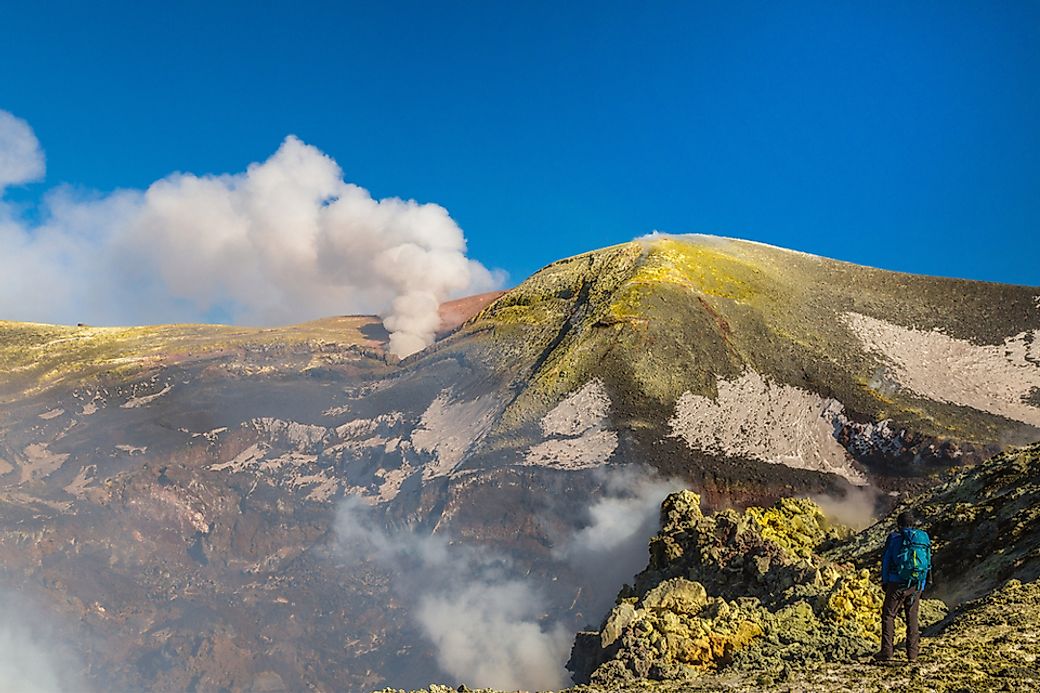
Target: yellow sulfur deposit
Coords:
[(796, 525), (855, 597)]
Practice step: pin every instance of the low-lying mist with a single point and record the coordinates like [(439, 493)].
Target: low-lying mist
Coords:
[(34, 656), (491, 622)]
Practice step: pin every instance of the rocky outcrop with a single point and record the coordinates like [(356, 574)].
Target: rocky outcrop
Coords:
[(779, 596), (736, 590)]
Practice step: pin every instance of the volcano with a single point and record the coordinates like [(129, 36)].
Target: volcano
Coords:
[(171, 497)]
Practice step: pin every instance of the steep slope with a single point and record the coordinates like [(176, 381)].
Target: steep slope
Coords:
[(172, 493), (714, 348)]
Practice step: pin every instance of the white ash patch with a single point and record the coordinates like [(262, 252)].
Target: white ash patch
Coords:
[(591, 449), (295, 433), (52, 414), (144, 400), (578, 412), (756, 418), (994, 378), (392, 481), (575, 431), (88, 409), (240, 462), (449, 427), (39, 462), (78, 487)]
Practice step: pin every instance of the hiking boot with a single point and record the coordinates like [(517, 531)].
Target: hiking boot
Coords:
[(882, 659)]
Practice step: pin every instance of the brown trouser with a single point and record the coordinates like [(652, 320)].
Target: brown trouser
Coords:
[(908, 600)]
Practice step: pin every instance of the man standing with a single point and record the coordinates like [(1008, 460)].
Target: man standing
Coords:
[(905, 568)]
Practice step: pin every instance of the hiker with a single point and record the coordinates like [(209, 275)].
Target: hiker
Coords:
[(906, 567)]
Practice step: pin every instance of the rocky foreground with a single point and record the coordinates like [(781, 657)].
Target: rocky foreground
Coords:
[(780, 599)]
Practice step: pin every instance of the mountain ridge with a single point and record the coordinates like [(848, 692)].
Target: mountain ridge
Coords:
[(199, 500)]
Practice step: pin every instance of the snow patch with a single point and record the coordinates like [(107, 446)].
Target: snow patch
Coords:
[(448, 428), (210, 436), (995, 378), (392, 480), (292, 431), (771, 422), (575, 431), (578, 412), (241, 461), (52, 414)]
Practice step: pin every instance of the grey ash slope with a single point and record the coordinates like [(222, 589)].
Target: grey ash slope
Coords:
[(173, 492)]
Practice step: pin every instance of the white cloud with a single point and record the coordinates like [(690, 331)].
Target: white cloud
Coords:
[(21, 159), (285, 241)]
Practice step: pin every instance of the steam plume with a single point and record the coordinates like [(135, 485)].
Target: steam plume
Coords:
[(858, 508), (287, 240), (490, 623), (487, 627), (34, 657)]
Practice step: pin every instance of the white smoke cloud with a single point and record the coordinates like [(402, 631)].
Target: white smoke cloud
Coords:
[(489, 633), (858, 508), (612, 547), (285, 241), (488, 627), (490, 623), (34, 658)]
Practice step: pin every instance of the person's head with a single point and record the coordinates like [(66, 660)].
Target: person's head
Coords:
[(905, 519)]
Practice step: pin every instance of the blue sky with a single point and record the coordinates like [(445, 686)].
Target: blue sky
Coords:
[(902, 135)]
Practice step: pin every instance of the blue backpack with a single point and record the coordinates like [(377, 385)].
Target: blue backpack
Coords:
[(913, 559)]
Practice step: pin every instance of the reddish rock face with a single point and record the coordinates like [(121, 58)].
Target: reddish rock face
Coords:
[(455, 313)]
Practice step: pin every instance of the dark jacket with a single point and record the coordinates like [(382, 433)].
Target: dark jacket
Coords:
[(889, 574)]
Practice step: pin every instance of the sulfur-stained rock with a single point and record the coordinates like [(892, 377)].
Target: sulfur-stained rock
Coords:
[(678, 595), (738, 591)]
